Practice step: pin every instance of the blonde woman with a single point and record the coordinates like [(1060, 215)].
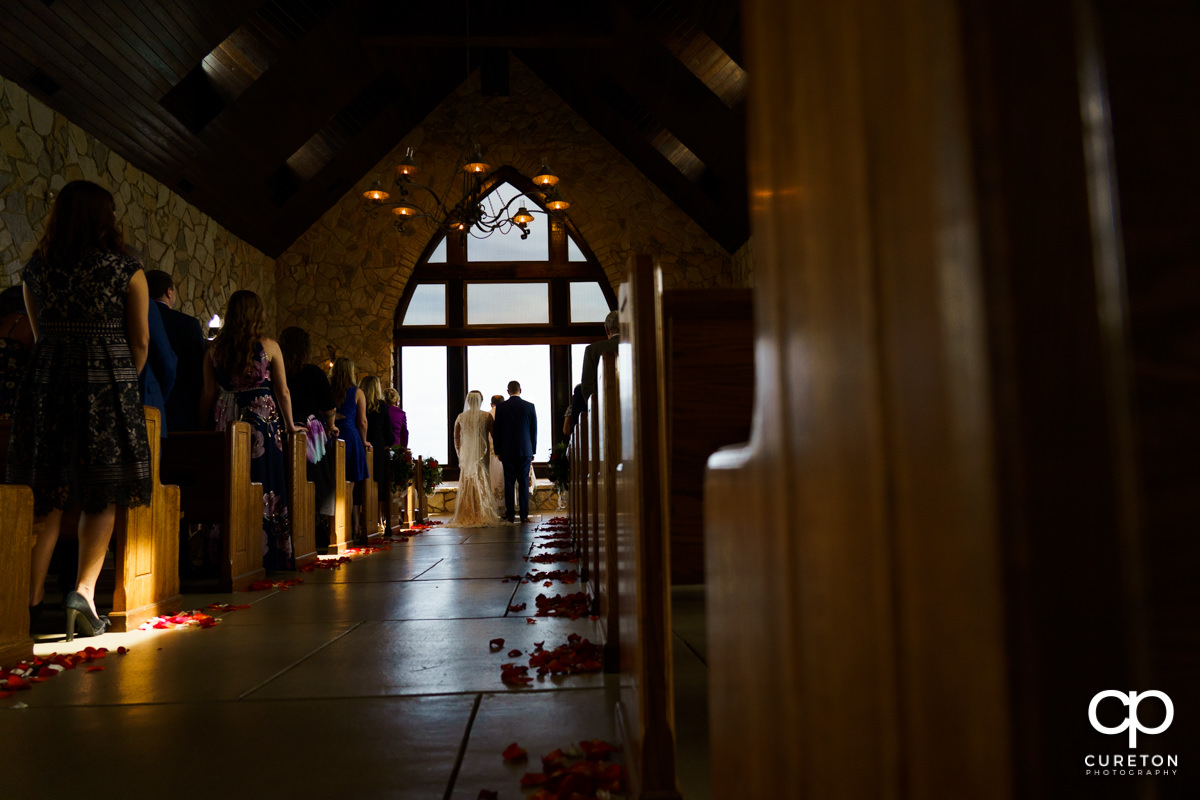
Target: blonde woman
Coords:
[(474, 507)]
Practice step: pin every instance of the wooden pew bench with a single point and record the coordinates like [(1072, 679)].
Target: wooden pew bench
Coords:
[(302, 499), (16, 545), (212, 470)]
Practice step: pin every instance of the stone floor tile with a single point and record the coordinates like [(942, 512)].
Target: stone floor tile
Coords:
[(427, 657)]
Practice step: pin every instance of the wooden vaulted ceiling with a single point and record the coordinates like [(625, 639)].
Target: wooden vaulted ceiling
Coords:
[(263, 113)]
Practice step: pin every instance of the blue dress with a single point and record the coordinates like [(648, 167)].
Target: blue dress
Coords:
[(356, 453), (249, 398)]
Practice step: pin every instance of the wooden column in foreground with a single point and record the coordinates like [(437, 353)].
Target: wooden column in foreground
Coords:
[(924, 564)]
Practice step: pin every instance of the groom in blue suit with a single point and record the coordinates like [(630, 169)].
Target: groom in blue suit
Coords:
[(514, 436)]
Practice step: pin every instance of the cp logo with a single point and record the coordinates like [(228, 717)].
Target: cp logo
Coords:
[(1131, 722)]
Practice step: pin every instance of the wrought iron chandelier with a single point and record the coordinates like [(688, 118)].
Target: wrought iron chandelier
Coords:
[(475, 212)]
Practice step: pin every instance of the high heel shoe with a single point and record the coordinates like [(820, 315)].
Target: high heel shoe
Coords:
[(81, 614)]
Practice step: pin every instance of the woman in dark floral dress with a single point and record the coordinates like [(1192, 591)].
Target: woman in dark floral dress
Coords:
[(79, 431), (246, 369)]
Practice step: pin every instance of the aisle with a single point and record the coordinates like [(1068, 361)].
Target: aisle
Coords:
[(372, 680)]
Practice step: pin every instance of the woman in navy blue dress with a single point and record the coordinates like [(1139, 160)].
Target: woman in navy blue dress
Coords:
[(244, 378), (352, 429)]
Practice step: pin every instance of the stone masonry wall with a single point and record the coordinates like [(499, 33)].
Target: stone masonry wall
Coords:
[(41, 151), (343, 278)]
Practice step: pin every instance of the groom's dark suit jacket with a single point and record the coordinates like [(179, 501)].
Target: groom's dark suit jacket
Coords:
[(515, 431)]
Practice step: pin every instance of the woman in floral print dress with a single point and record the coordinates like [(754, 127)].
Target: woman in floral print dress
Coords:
[(244, 379)]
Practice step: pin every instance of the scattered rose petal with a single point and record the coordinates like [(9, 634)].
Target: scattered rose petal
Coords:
[(514, 653), (514, 752), (95, 668), (487, 794), (533, 779), (515, 607), (496, 644)]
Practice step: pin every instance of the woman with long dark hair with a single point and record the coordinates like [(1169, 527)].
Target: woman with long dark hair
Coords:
[(79, 431), (313, 408), (246, 370)]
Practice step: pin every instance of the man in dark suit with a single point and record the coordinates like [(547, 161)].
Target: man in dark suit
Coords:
[(188, 342), (515, 436)]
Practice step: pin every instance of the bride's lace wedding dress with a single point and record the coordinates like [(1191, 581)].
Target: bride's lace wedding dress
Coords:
[(475, 506)]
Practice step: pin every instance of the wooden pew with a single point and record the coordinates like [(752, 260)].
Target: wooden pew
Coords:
[(371, 499), (302, 499), (708, 363), (146, 542), (645, 710), (340, 521), (578, 496), (212, 470), (16, 544), (606, 434)]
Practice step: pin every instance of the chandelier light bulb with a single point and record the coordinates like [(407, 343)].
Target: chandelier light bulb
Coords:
[(545, 176), (376, 192)]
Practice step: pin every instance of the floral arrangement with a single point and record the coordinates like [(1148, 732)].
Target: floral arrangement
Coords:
[(432, 474), (560, 466), (403, 468)]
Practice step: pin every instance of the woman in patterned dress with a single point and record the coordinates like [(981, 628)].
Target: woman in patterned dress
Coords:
[(79, 431), (246, 370)]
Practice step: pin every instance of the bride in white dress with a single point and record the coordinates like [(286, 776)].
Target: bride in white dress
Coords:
[(474, 507)]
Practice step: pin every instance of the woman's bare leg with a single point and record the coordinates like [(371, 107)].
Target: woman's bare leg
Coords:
[(95, 530), (43, 551)]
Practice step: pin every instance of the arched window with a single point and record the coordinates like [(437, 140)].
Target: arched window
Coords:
[(478, 313)]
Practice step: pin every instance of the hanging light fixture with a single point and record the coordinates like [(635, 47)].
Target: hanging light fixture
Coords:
[(472, 213)]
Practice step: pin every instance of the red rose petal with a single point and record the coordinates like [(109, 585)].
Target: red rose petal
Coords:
[(514, 752), (487, 794), (533, 779), (514, 653), (496, 644), (95, 668)]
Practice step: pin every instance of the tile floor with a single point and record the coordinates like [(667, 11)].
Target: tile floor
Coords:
[(374, 680)]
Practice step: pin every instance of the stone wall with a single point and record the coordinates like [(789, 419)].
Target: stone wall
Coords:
[(343, 278), (743, 265), (40, 151)]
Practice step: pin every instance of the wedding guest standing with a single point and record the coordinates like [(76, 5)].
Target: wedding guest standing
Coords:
[(79, 432), (381, 436), (399, 418), (188, 343), (245, 369), (313, 409)]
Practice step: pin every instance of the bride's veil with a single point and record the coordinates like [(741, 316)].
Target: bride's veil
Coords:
[(474, 505), (474, 447)]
